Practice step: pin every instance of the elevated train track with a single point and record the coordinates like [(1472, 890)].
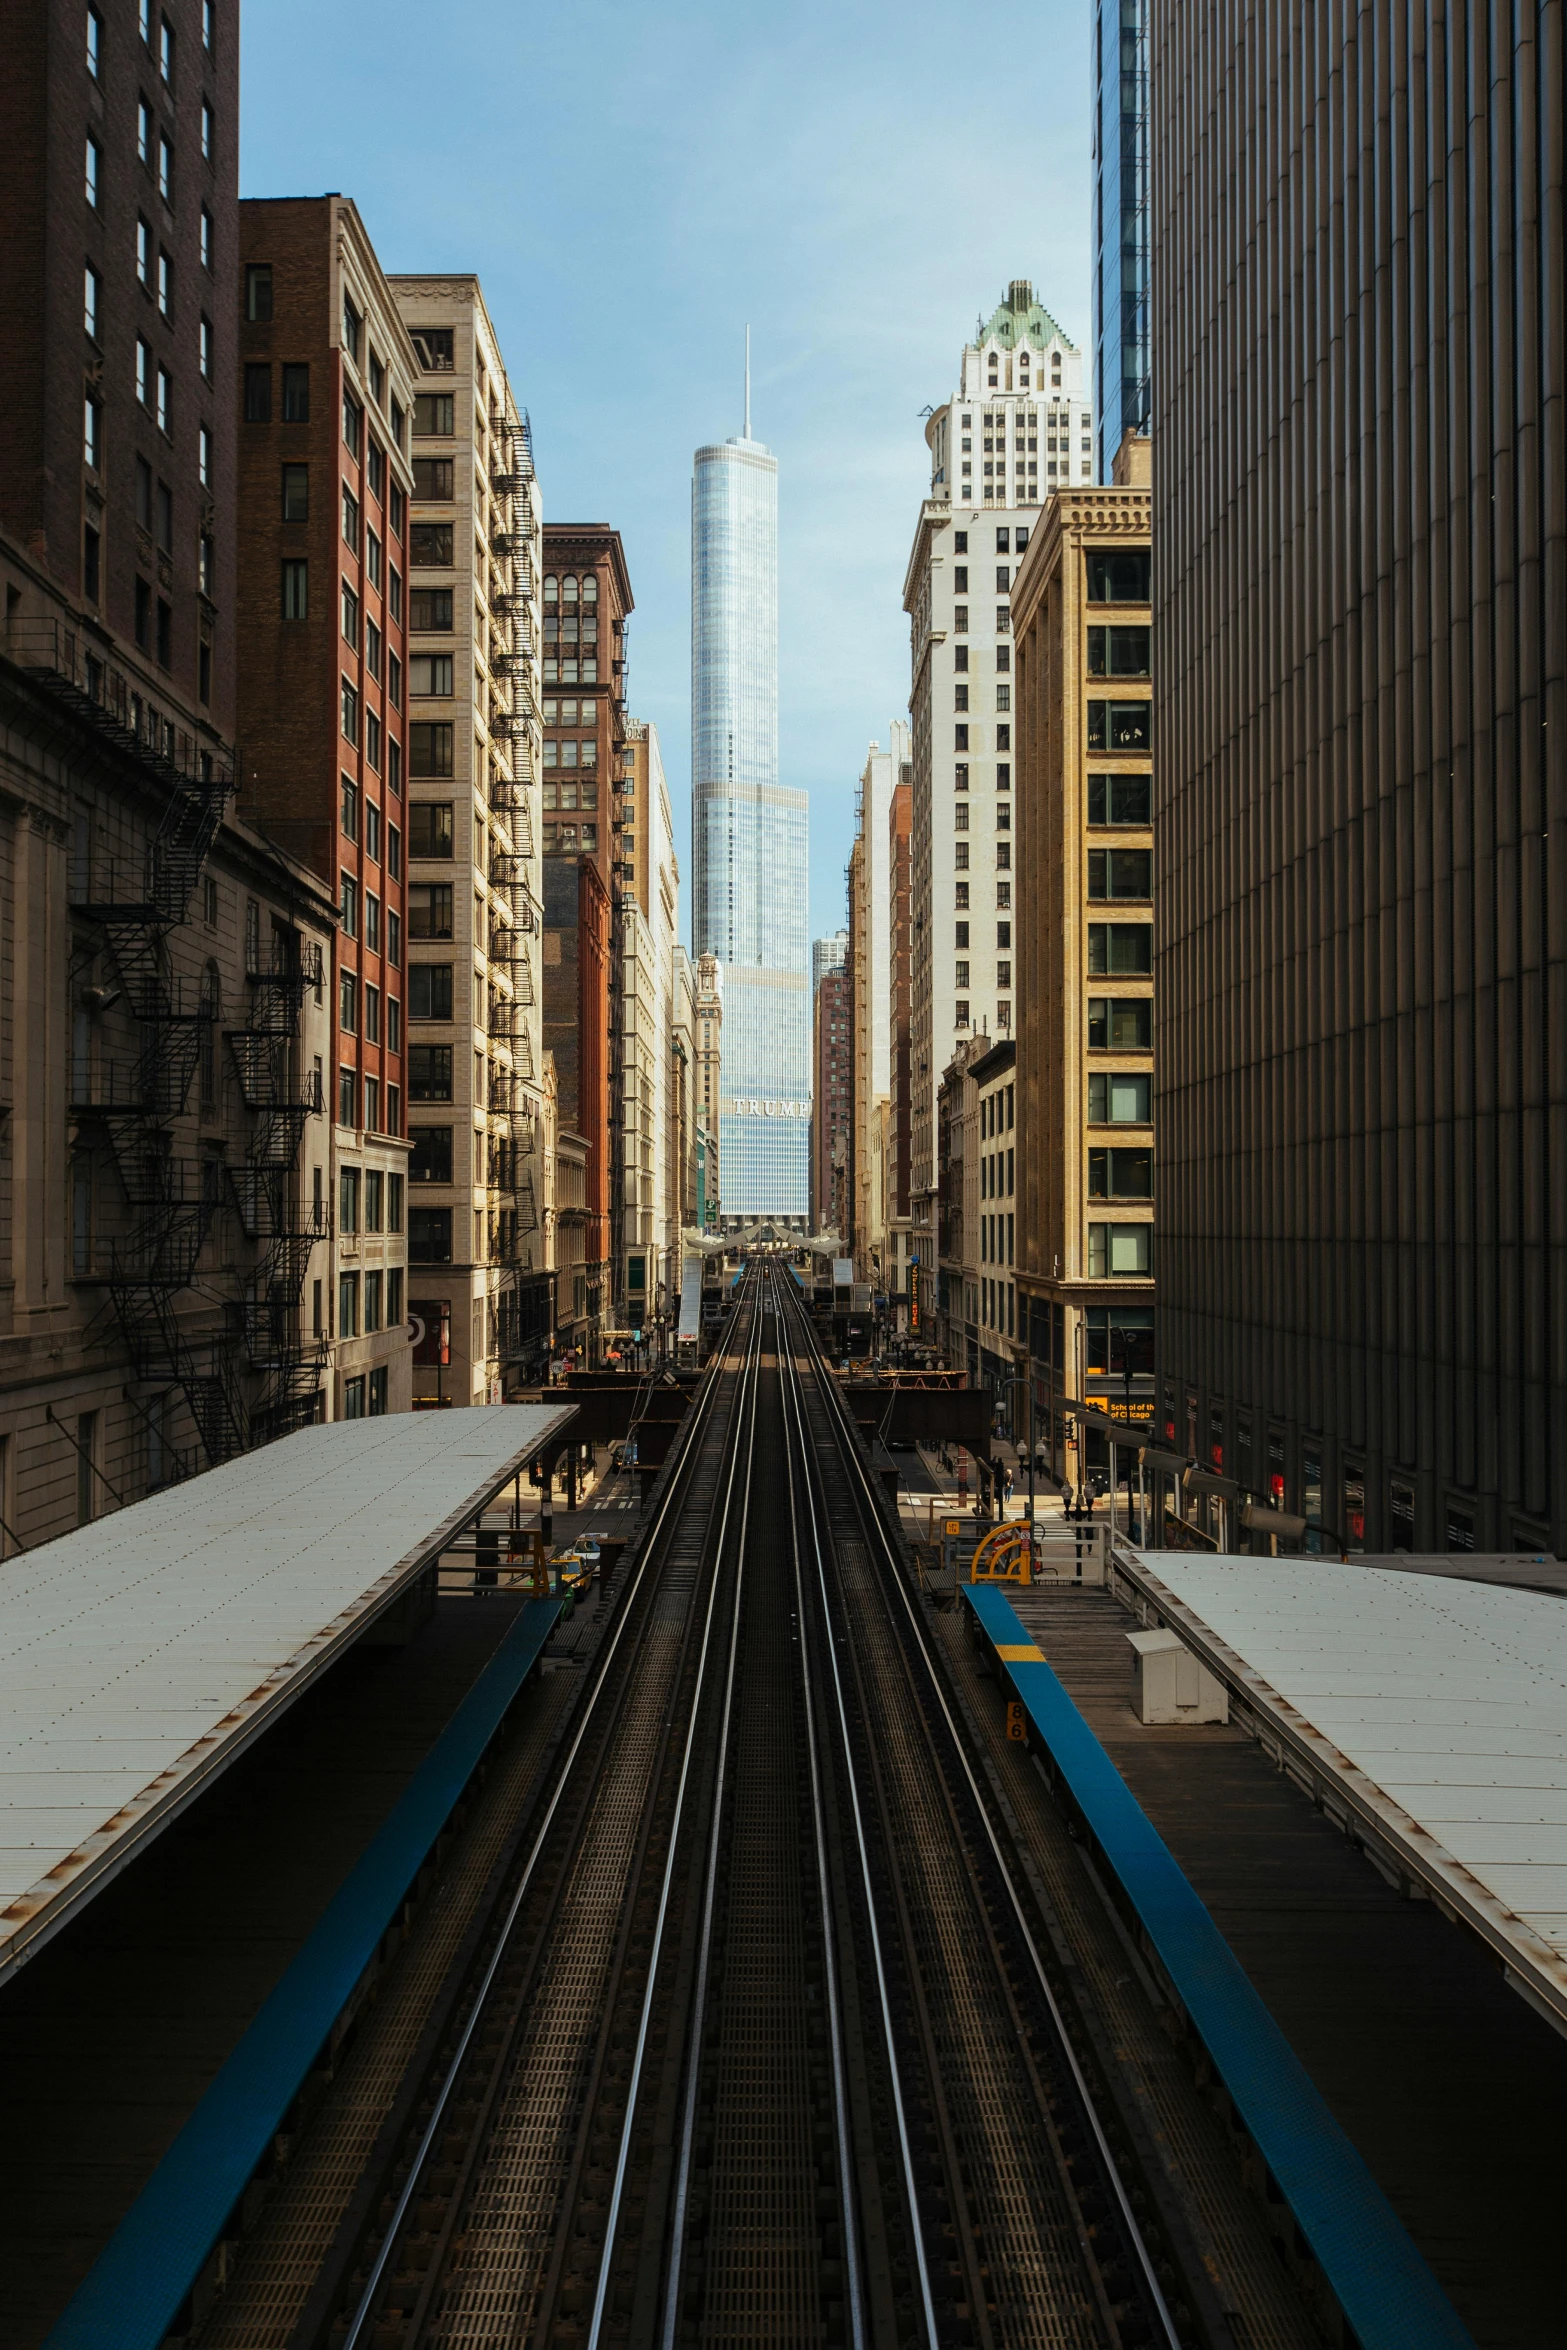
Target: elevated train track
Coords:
[(755, 2039)]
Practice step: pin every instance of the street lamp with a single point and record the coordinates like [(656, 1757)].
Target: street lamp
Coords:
[(1025, 1378)]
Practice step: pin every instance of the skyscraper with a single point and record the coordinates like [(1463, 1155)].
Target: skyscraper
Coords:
[(749, 833), (1017, 429), (1359, 637), (1121, 378)]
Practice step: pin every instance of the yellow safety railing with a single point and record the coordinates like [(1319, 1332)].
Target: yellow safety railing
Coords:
[(1006, 1555)]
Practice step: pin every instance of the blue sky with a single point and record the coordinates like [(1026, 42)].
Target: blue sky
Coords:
[(632, 184)]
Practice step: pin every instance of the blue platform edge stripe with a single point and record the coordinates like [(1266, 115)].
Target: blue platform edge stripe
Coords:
[(1381, 2281), (132, 2293)]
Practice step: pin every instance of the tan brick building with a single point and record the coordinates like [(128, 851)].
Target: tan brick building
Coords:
[(1084, 1199), (476, 1048)]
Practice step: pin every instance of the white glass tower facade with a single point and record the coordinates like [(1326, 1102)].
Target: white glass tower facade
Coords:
[(749, 835)]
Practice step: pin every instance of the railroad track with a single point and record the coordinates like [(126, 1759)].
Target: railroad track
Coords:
[(759, 2043)]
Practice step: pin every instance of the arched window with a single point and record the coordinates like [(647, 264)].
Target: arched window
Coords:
[(590, 589), (552, 590), (568, 590)]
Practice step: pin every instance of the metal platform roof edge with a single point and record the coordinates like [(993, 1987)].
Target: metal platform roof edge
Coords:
[(1396, 1842), (1370, 2263), (36, 1913)]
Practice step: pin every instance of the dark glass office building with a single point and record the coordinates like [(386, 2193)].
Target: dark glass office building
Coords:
[(1121, 388), (1360, 614)]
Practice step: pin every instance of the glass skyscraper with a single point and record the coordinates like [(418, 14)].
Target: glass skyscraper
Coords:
[(1121, 371), (748, 835)]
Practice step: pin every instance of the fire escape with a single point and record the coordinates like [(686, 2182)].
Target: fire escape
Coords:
[(281, 1096), (134, 1101), (513, 1206)]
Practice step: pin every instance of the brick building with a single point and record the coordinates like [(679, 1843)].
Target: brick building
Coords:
[(587, 604), (162, 996), (832, 1104), (577, 940), (324, 478)]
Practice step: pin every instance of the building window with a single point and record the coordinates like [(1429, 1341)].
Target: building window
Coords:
[(94, 171), (92, 434), (92, 294), (348, 1197), (350, 520), (431, 1161), (205, 347), (372, 722), (1119, 1097), (348, 905), (429, 1236), (430, 747), (1119, 578), (258, 406), (348, 1327), (1120, 1174), (206, 240), (208, 130), (1120, 947), (351, 326), (1120, 799), (165, 403), (350, 616), (372, 1016), (430, 676), (296, 393), (296, 493), (348, 814), (348, 1002), (166, 168), (164, 648), (430, 910), (1118, 1248), (430, 546), (296, 591), (429, 1072), (1122, 1024), (430, 828), (350, 713), (1120, 726), (372, 921), (434, 415), (1119, 652), (347, 1097), (394, 681), (143, 372), (433, 479), (353, 424), (143, 251), (204, 456), (429, 608), (1120, 873), (373, 1307), (960, 738), (430, 991), (94, 42)]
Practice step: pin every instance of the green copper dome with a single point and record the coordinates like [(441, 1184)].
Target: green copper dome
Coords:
[(1019, 320)]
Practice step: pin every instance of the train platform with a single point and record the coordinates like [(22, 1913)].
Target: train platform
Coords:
[(1380, 2052), (287, 1717)]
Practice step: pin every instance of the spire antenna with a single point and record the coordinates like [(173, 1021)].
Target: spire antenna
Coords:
[(748, 383)]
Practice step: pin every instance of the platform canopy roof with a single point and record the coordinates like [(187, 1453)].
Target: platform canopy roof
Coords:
[(1439, 1704), (140, 1654)]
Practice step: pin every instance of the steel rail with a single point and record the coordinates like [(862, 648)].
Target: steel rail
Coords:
[(792, 1388), (364, 2308), (871, 1515), (671, 1858)]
